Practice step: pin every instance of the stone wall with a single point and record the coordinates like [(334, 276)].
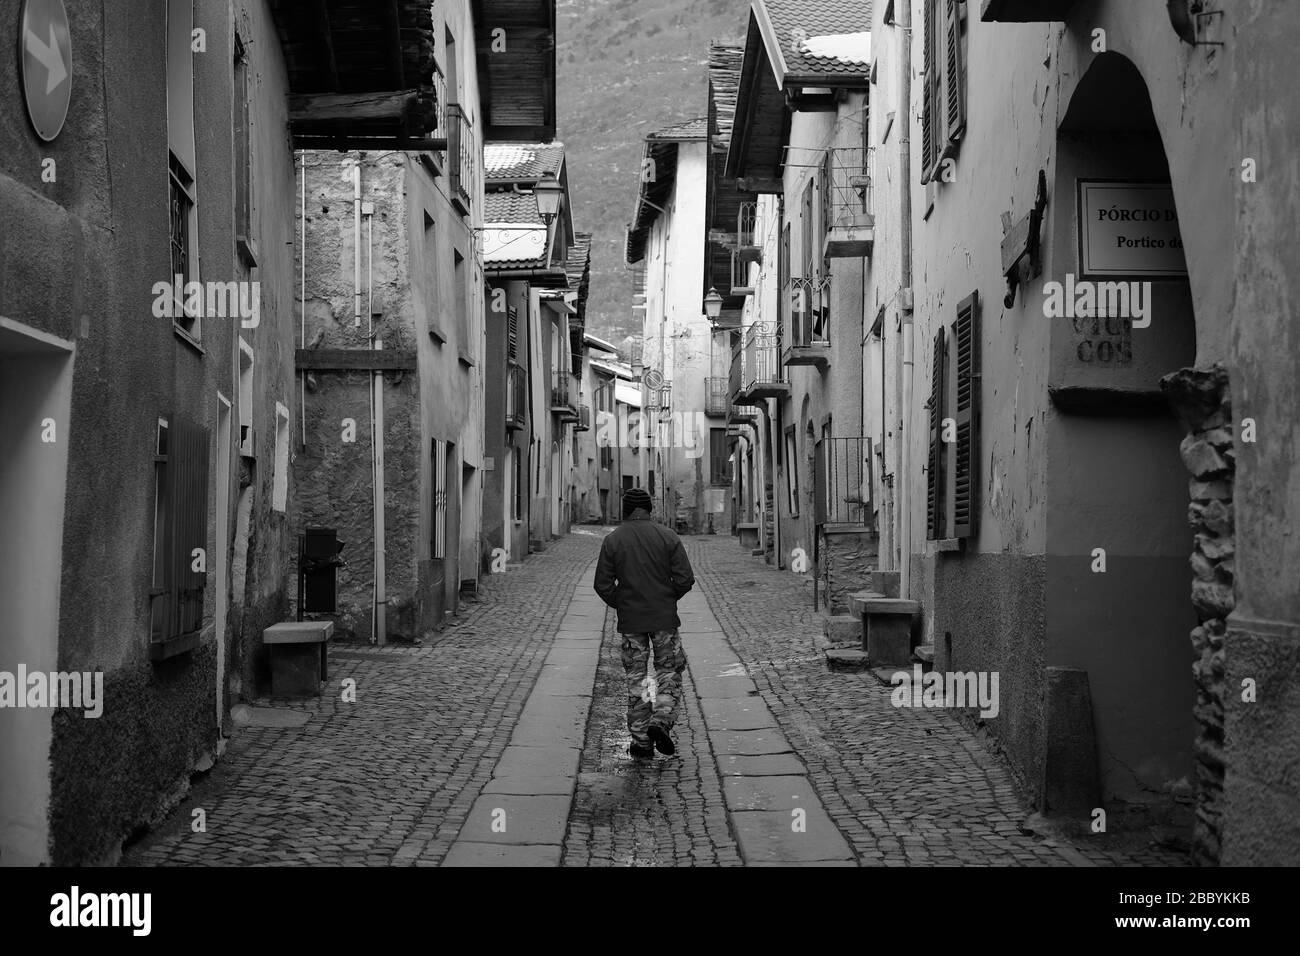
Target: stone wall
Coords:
[(1201, 397)]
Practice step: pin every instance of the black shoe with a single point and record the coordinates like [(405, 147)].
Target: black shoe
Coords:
[(663, 743), (641, 751)]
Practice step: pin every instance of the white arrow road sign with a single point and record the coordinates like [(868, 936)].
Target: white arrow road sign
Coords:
[(49, 56), (45, 65)]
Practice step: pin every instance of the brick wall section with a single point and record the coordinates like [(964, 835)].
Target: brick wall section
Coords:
[(1202, 398), (905, 787), (387, 780)]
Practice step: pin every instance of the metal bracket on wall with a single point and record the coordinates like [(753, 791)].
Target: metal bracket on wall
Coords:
[(1023, 240)]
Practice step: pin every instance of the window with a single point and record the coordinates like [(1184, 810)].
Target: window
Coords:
[(651, 479), (280, 479), (519, 485), (243, 157), (719, 466), (943, 108), (438, 546), (180, 530), (512, 334), (462, 301), (952, 473), (182, 201), (247, 445), (791, 471)]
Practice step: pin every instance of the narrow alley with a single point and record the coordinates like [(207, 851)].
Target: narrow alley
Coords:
[(503, 742)]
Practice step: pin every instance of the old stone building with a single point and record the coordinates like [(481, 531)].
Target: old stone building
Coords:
[(157, 508), (682, 435)]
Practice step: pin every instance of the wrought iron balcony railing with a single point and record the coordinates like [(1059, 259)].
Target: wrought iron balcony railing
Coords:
[(850, 222), (842, 483), (762, 375), (462, 154), (583, 424), (808, 302)]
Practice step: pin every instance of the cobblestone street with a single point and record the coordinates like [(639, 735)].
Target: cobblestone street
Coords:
[(515, 714)]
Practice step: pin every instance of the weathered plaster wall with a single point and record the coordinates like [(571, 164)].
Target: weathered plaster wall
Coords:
[(78, 258)]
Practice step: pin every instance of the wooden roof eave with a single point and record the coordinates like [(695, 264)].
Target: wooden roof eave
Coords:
[(762, 120), (360, 72)]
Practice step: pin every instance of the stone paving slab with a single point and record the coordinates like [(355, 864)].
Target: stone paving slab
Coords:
[(531, 784), (768, 765), (769, 835), (502, 854), (766, 793), (725, 687), (749, 743), (516, 818), (739, 713)]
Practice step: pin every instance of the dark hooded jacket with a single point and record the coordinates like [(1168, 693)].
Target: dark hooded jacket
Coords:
[(642, 572)]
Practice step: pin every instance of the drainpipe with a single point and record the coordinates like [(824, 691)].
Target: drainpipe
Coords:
[(903, 18), (379, 624), (302, 291)]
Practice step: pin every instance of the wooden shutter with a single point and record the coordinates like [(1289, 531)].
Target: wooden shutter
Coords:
[(954, 76), (966, 333), (439, 499), (512, 333), (935, 497), (928, 119), (187, 528)]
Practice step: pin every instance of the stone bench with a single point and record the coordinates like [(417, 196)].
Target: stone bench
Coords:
[(887, 626), (299, 650)]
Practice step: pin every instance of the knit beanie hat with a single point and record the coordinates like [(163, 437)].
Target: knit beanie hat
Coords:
[(635, 498)]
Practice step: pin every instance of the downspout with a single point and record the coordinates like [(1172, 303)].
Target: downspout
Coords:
[(903, 18), (379, 623), (302, 291)]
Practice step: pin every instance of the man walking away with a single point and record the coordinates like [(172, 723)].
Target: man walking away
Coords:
[(642, 572)]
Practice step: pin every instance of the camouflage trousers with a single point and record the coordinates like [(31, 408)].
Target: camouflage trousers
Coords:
[(652, 702)]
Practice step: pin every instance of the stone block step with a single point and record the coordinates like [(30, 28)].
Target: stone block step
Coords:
[(870, 602), (846, 659), (924, 653), (843, 627)]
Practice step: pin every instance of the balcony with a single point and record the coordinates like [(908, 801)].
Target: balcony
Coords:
[(746, 249), (761, 374), (462, 156), (516, 398), (563, 404), (851, 226), (716, 396), (583, 424), (741, 416), (842, 484), (809, 301)]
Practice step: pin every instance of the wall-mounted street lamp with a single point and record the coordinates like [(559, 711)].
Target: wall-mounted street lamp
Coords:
[(547, 192), (713, 305)]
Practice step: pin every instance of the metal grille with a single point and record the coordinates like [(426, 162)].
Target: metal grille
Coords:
[(849, 192), (439, 498), (180, 203), (842, 468), (716, 400), (460, 146)]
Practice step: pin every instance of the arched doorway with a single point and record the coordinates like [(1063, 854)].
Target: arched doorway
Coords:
[(1118, 613)]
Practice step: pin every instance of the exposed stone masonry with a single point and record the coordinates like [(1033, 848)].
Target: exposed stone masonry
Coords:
[(1201, 397)]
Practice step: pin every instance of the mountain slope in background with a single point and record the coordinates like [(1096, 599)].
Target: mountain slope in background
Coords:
[(626, 68)]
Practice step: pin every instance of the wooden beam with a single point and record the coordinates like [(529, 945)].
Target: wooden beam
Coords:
[(356, 359), (328, 107), (759, 184)]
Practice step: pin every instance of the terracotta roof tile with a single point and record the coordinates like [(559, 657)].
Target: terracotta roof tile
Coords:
[(821, 37)]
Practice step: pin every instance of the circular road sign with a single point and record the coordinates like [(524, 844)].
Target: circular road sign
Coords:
[(45, 64)]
